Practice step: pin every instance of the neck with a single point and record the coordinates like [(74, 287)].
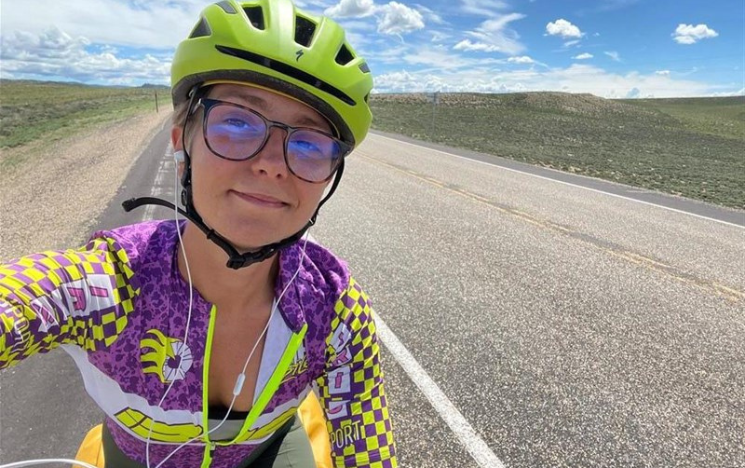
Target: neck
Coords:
[(219, 284)]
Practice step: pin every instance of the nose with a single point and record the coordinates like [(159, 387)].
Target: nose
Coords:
[(270, 160)]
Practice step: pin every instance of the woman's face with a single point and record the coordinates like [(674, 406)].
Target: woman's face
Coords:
[(257, 201)]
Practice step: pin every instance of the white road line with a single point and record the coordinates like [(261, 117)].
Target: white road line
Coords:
[(470, 439), (565, 183), (159, 185)]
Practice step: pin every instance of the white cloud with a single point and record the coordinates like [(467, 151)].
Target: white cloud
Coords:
[(493, 35), (467, 45), (563, 28), (357, 8), (439, 58), (155, 25), (583, 56), (52, 43), (662, 72), (431, 16), (521, 59), (613, 55), (397, 18), (393, 18), (578, 78), (439, 36), (483, 7), (741, 92), (690, 34), (54, 54)]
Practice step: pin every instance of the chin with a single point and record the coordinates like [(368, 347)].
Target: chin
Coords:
[(247, 241)]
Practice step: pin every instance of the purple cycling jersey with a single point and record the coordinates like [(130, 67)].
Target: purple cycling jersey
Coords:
[(119, 307)]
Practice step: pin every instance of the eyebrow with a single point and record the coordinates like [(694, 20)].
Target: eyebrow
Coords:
[(303, 120)]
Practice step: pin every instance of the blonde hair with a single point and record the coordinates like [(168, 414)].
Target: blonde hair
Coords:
[(179, 114)]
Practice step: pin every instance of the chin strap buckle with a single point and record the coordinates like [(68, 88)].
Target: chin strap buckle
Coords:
[(237, 261)]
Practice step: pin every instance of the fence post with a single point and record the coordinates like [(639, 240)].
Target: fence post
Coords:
[(155, 91), (434, 106)]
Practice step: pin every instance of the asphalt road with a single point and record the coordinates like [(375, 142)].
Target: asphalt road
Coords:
[(571, 322)]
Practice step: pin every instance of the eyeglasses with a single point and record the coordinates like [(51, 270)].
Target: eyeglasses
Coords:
[(237, 133)]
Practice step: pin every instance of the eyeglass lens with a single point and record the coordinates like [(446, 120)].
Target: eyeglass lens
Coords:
[(237, 133)]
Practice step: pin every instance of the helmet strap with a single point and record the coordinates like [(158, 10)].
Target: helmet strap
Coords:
[(236, 260)]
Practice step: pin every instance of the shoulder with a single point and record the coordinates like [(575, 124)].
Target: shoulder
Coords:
[(325, 269), (333, 274), (324, 287), (136, 243)]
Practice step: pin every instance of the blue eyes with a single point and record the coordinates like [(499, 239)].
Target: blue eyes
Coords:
[(306, 147), (238, 124)]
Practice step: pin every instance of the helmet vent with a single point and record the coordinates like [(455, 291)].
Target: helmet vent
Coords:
[(227, 7), (201, 29), (288, 70), (344, 56), (304, 29), (255, 16)]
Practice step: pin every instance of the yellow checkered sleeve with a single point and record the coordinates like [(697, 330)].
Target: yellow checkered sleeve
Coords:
[(75, 296), (351, 390)]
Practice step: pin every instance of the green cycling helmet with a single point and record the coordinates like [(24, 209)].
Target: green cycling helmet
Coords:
[(272, 44)]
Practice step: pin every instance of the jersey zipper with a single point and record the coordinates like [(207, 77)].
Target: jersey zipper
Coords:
[(209, 451), (210, 446)]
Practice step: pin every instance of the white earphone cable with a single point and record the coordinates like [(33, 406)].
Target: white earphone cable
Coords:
[(240, 380), (242, 376), (176, 161), (46, 461)]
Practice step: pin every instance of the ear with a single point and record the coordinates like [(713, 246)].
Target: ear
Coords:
[(176, 133)]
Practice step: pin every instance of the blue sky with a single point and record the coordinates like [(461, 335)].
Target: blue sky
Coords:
[(610, 48)]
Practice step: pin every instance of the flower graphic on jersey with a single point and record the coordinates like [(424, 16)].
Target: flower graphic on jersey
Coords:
[(168, 358)]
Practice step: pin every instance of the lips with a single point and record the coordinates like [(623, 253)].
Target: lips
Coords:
[(260, 199)]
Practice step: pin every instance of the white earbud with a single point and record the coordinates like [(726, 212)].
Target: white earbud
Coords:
[(178, 156)]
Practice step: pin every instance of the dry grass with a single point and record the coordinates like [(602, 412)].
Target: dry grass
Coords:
[(691, 148)]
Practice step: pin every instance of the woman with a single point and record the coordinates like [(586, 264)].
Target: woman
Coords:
[(200, 338)]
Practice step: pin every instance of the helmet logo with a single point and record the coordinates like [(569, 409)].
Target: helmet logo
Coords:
[(299, 54)]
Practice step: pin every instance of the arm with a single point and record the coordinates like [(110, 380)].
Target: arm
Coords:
[(75, 296), (351, 391)]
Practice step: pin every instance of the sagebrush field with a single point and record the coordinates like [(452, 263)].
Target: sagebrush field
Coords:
[(689, 147), (33, 110)]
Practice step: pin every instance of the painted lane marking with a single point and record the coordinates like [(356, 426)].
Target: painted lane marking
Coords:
[(470, 439), (566, 183), (731, 294)]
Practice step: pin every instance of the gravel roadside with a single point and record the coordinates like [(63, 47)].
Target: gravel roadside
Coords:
[(52, 199)]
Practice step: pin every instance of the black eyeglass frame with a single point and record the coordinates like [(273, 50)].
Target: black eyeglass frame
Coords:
[(208, 104)]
